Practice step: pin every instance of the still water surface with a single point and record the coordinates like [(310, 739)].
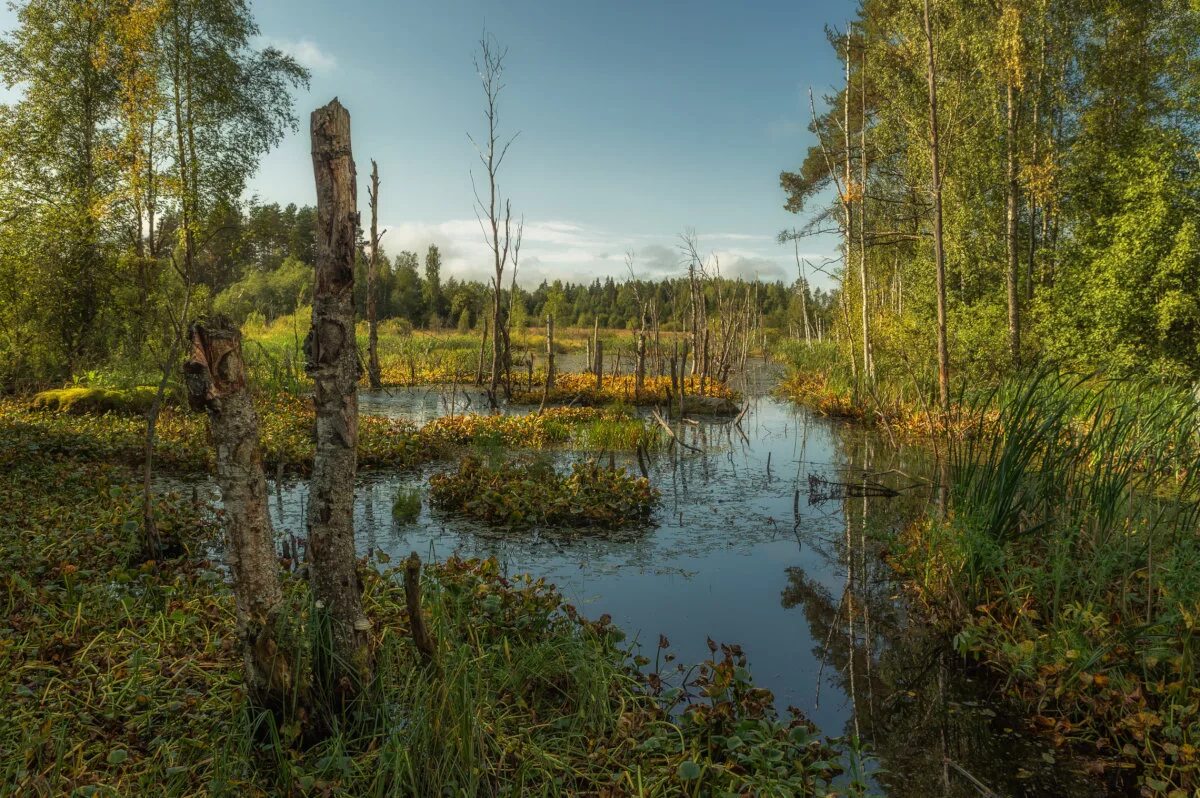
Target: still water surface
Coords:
[(756, 544)]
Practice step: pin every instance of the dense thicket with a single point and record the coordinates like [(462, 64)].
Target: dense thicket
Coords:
[(1070, 183), (121, 167)]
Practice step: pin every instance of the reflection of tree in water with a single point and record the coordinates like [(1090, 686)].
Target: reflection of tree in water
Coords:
[(933, 729)]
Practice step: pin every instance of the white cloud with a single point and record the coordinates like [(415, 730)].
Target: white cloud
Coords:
[(558, 249), (307, 52)]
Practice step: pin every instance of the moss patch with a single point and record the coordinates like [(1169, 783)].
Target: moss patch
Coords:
[(95, 401)]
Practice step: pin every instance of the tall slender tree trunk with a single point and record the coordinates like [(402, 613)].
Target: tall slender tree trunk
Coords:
[(639, 373), (482, 352), (373, 372), (868, 352), (848, 204), (550, 352), (1012, 273), (332, 363), (216, 383), (939, 251)]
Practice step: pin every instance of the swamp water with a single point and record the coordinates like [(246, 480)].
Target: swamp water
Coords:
[(765, 540)]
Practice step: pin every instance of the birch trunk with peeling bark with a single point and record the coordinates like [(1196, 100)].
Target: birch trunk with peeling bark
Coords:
[(215, 376), (332, 363)]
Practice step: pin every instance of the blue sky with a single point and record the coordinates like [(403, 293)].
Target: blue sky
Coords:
[(637, 120)]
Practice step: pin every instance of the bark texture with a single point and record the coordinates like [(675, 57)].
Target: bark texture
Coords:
[(332, 363), (215, 376)]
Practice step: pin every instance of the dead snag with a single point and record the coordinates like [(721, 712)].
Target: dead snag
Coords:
[(639, 383), (550, 352), (373, 370), (599, 365), (215, 376), (331, 360)]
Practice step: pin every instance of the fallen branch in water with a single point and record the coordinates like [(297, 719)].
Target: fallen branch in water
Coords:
[(671, 432)]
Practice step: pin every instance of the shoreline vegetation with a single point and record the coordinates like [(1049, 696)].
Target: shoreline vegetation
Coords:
[(520, 695), (526, 696), (1061, 551), (1014, 192)]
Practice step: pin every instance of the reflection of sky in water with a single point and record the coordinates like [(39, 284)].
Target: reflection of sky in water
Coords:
[(715, 566), (732, 545)]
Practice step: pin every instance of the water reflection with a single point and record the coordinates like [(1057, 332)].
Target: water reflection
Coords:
[(740, 554)]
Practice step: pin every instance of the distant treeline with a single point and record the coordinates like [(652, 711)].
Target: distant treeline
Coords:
[(265, 271)]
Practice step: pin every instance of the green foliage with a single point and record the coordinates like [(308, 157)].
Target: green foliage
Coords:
[(124, 678), (1099, 168), (80, 400), (1070, 562), (532, 493), (271, 294), (407, 505)]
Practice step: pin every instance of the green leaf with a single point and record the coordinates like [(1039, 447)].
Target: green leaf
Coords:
[(688, 770), (117, 756)]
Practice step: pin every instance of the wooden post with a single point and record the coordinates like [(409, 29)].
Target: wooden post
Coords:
[(215, 376), (416, 618), (682, 376), (599, 367), (332, 363)]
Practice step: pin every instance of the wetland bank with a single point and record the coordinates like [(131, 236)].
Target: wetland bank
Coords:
[(350, 483)]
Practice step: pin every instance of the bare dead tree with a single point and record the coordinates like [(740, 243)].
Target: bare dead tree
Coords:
[(372, 284), (494, 212), (216, 381), (332, 363), (512, 302)]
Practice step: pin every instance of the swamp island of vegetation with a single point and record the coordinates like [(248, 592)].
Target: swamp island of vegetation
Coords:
[(284, 513)]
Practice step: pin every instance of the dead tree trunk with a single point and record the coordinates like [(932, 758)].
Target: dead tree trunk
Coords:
[(332, 363), (372, 284), (549, 353), (216, 383), (599, 366), (482, 352), (639, 379)]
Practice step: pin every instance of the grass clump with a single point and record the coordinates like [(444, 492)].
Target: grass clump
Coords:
[(608, 429), (523, 494), (407, 505), (1070, 563)]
